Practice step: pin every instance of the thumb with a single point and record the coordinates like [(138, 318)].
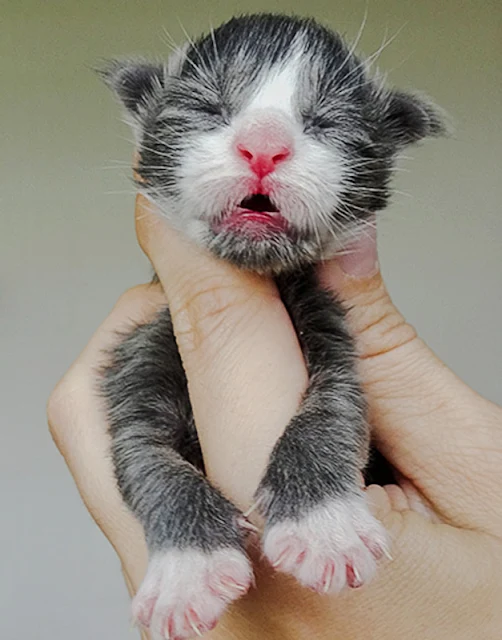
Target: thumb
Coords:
[(437, 432), (244, 365)]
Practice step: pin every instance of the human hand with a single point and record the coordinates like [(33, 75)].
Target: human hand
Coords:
[(246, 376)]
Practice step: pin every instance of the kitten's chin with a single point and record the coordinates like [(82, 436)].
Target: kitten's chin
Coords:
[(264, 253)]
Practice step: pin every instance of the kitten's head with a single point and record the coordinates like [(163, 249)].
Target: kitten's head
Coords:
[(267, 141)]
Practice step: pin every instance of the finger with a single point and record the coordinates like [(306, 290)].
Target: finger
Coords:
[(244, 366), (439, 433), (79, 428), (427, 559)]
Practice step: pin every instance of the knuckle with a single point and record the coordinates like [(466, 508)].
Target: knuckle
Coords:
[(207, 313), (380, 328), (140, 303), (135, 295), (72, 391)]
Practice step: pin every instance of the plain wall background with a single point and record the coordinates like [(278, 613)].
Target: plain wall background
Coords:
[(67, 245)]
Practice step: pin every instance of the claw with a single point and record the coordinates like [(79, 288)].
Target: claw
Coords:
[(327, 577), (353, 577), (228, 582), (196, 629), (194, 622), (387, 554), (278, 561), (252, 508), (244, 523), (168, 633)]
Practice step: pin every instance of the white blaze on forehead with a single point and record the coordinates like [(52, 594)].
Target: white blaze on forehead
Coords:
[(278, 87)]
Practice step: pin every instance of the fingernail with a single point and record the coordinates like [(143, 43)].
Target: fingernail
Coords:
[(361, 257)]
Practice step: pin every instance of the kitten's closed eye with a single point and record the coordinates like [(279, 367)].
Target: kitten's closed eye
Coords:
[(314, 123)]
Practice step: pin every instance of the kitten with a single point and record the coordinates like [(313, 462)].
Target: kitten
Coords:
[(268, 143)]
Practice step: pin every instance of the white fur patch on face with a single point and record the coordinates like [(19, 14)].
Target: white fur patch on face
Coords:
[(185, 592), (278, 88), (333, 547), (214, 178)]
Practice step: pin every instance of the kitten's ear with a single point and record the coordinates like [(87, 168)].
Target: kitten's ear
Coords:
[(407, 118), (134, 82)]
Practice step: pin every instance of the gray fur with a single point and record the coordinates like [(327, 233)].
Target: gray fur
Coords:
[(325, 446), (156, 453), (157, 457)]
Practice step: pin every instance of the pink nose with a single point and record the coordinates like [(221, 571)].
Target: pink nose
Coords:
[(264, 147), (264, 162)]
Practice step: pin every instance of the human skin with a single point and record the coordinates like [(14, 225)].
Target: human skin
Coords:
[(246, 376)]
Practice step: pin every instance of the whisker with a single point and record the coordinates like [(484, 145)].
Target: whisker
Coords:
[(215, 48), (176, 48), (125, 192), (205, 62), (171, 42), (385, 43), (355, 43)]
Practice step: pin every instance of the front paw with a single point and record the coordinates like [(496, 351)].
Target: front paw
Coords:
[(332, 546), (185, 591)]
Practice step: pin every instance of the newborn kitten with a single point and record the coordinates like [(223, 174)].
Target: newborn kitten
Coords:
[(268, 143)]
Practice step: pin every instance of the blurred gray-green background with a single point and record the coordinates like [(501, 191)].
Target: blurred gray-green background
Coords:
[(67, 245)]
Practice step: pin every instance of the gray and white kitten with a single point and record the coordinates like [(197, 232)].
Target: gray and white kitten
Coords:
[(268, 143)]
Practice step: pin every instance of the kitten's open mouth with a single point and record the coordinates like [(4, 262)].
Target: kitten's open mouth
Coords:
[(259, 203), (255, 215)]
